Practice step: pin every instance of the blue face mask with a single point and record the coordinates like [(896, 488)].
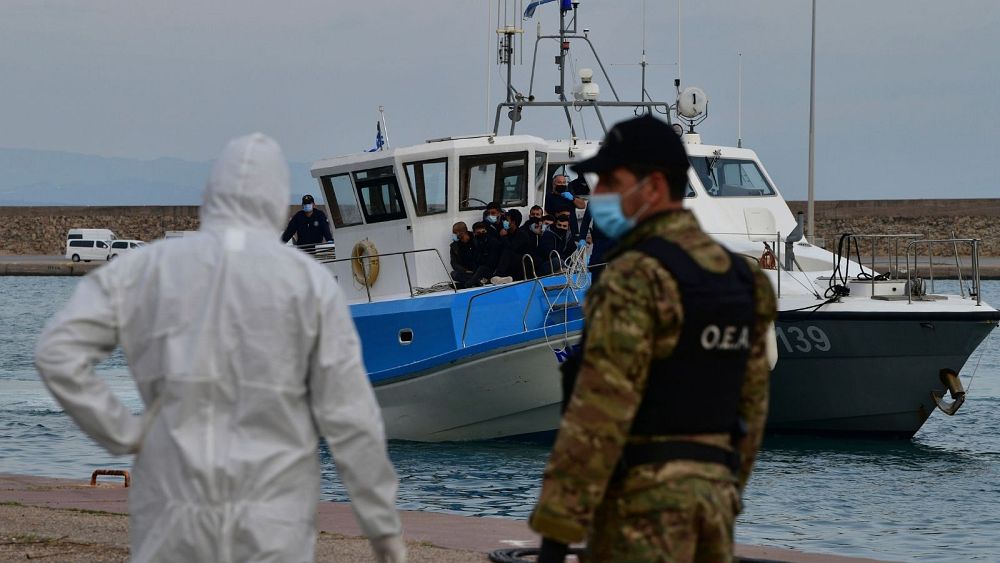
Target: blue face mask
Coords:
[(506, 224), (608, 215), (307, 207), (491, 218), (454, 237)]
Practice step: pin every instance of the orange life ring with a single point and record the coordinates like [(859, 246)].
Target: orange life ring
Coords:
[(364, 262)]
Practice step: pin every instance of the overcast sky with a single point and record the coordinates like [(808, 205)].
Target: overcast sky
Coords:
[(908, 94)]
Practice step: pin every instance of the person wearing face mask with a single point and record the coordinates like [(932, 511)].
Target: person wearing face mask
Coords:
[(557, 239), (308, 226), (668, 400), (562, 199), (493, 217), (464, 270), (487, 253), (516, 243), (535, 212)]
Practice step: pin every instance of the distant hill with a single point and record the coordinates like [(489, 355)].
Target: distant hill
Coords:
[(37, 177)]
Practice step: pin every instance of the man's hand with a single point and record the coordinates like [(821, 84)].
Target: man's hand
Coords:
[(568, 196), (389, 549)]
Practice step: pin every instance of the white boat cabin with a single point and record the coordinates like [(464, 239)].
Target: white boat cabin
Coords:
[(401, 203)]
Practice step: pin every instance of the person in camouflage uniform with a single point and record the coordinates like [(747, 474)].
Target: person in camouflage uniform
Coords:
[(676, 510)]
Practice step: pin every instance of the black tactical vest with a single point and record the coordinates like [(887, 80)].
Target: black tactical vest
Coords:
[(696, 390)]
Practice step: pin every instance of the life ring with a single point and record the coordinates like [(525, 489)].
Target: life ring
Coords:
[(365, 252)]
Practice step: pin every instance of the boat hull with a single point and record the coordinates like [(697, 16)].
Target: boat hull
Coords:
[(509, 392), (866, 373), (843, 373)]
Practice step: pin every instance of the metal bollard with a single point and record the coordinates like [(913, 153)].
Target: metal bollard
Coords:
[(115, 472)]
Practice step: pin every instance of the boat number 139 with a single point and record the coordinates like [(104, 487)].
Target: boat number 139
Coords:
[(803, 339)]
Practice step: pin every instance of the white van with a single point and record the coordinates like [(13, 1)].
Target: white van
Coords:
[(87, 249), (123, 246), (94, 234)]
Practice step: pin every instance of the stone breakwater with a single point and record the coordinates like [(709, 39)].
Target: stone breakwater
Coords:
[(933, 218), (43, 230)]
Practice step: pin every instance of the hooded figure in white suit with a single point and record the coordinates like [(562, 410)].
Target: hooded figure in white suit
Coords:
[(244, 353)]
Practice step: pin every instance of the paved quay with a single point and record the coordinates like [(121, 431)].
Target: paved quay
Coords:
[(31, 265), (64, 520)]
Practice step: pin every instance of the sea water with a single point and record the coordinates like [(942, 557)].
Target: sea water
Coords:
[(935, 497)]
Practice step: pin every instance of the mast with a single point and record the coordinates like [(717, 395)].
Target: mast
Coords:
[(811, 206), (739, 104)]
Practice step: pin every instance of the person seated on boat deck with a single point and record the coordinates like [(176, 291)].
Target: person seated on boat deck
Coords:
[(493, 217), (463, 258), (308, 226), (516, 243), (535, 212), (562, 200), (488, 251), (533, 229), (581, 191), (556, 239)]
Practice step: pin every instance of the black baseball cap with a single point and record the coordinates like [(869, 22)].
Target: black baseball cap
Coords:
[(642, 141), (307, 199)]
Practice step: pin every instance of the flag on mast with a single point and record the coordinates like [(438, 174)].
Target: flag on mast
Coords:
[(379, 140), (530, 10)]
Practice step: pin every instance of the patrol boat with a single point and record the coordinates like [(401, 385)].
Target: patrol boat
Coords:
[(859, 351)]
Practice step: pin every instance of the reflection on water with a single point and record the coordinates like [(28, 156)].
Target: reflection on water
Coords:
[(936, 497)]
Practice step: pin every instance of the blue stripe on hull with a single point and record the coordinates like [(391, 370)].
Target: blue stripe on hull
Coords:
[(500, 317)]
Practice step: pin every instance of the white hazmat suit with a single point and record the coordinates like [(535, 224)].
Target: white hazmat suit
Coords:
[(244, 353)]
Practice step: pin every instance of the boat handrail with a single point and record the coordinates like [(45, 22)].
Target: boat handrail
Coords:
[(893, 257), (468, 307), (973, 244), (406, 267)]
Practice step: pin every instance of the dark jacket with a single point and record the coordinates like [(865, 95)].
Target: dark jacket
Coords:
[(308, 230), (463, 256), (487, 252), (561, 242)]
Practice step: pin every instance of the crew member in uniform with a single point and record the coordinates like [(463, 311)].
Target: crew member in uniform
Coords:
[(664, 411), (309, 226)]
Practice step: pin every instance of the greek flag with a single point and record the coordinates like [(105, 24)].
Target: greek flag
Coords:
[(379, 140), (566, 5)]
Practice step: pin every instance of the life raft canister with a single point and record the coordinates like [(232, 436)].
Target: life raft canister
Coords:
[(364, 262)]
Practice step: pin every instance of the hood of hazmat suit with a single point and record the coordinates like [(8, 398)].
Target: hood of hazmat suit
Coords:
[(245, 354)]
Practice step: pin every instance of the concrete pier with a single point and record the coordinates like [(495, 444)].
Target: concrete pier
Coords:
[(68, 520)]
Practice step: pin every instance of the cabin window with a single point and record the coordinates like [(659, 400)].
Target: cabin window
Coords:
[(379, 195), (731, 177), (494, 177), (82, 244), (541, 159), (428, 182), (343, 206)]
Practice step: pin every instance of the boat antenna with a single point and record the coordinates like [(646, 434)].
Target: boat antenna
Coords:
[(679, 78), (642, 61), (506, 35), (739, 103), (811, 206), (489, 64)]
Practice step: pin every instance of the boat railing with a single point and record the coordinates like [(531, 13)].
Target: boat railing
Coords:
[(853, 240), (406, 267), (954, 242), (506, 286)]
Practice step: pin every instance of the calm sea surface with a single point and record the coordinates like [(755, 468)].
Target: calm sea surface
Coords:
[(936, 497)]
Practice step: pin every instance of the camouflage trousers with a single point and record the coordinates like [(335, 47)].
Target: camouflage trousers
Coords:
[(689, 519)]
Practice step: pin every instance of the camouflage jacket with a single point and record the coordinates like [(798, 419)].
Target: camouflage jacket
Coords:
[(632, 316)]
